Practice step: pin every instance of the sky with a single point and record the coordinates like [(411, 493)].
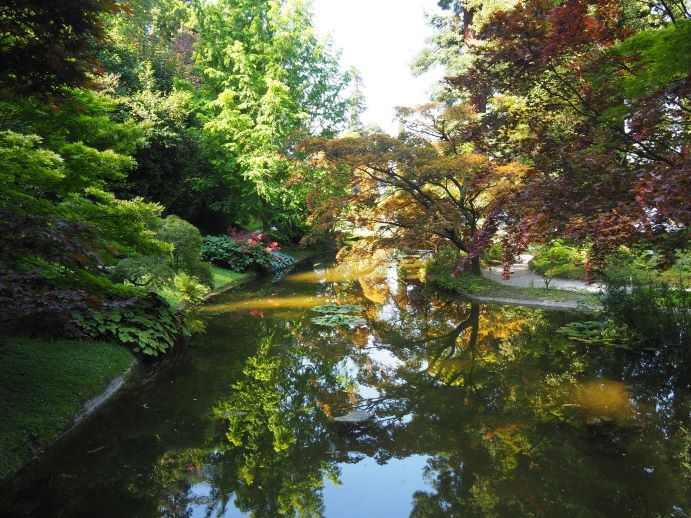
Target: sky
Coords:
[(381, 38)]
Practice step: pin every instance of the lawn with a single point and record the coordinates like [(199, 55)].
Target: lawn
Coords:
[(43, 384)]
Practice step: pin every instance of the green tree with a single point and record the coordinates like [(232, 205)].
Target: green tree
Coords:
[(267, 77), (356, 103), (423, 188)]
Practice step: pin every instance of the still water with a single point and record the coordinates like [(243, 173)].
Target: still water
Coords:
[(476, 410)]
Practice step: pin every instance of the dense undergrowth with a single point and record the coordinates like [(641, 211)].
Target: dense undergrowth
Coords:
[(568, 261), (654, 313)]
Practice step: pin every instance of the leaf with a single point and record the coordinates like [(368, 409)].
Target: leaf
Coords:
[(338, 320), (338, 308)]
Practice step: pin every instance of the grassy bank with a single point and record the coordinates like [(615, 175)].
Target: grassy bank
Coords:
[(482, 287), (43, 384), (224, 278)]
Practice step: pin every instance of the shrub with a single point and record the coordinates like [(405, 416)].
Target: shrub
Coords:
[(185, 291), (187, 248), (559, 260), (143, 271), (440, 269), (647, 264), (225, 251), (443, 262), (242, 251), (494, 254)]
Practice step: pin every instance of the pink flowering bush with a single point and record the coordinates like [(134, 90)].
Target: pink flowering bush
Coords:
[(240, 250)]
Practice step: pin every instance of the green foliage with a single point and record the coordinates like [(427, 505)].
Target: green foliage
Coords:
[(144, 271), (226, 251), (662, 56), (249, 252), (335, 315), (338, 308), (185, 291), (45, 48), (559, 260), (155, 35), (647, 264), (185, 238), (127, 226), (268, 78), (597, 332), (169, 124), (24, 164), (187, 247), (494, 254), (338, 320), (148, 325), (655, 313), (443, 262), (218, 249)]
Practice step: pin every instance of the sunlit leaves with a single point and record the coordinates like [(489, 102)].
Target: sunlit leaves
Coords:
[(426, 187)]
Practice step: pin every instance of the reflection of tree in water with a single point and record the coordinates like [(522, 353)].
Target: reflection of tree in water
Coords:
[(279, 444), (488, 393)]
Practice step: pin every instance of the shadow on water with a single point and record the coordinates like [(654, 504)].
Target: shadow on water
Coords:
[(476, 410)]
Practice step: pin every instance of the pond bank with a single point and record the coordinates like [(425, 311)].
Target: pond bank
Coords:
[(44, 385), (225, 279), (523, 276), (534, 303), (49, 387), (483, 289)]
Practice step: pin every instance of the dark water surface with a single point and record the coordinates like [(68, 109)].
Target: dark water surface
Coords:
[(478, 410)]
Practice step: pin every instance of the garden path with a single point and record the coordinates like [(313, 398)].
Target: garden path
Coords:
[(522, 276)]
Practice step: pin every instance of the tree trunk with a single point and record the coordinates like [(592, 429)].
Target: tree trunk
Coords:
[(475, 267)]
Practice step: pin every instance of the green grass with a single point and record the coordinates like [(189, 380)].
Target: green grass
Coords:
[(481, 286), (222, 277), (43, 384)]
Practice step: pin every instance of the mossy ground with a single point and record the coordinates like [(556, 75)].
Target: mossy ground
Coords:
[(43, 384)]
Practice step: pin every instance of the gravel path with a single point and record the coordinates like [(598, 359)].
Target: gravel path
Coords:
[(524, 277), (543, 303)]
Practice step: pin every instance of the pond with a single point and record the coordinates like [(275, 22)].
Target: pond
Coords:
[(474, 410)]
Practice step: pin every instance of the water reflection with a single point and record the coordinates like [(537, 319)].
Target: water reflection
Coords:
[(604, 399), (476, 411)]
